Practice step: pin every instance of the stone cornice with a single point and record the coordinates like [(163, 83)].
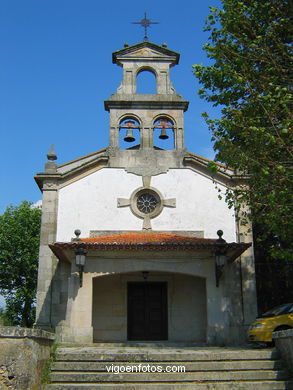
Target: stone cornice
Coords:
[(76, 171), (159, 103), (166, 54), (224, 174)]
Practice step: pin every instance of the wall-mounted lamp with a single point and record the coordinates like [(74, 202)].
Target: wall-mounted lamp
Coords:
[(220, 255), (145, 275), (80, 262), (79, 257)]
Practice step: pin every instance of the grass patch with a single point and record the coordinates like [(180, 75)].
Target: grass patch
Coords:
[(47, 367)]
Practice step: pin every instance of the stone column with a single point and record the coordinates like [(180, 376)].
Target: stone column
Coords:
[(162, 82), (128, 82), (247, 270), (78, 324), (146, 136), (47, 261), (179, 138), (231, 280), (215, 314), (114, 137)]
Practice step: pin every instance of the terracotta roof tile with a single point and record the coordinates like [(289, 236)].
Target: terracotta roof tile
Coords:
[(147, 242), (144, 238)]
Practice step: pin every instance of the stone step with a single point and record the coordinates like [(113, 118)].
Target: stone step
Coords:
[(163, 355), (96, 377), (136, 344), (244, 385), (226, 365), (84, 368)]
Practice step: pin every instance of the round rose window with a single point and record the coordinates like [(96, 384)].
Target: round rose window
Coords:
[(147, 202)]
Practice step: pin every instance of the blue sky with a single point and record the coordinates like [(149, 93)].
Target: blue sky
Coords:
[(56, 71)]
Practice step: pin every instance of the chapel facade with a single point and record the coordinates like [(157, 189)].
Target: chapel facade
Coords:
[(132, 244)]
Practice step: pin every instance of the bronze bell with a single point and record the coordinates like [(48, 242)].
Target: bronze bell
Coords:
[(129, 136), (163, 134)]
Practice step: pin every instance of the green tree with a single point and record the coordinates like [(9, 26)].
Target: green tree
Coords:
[(273, 277), (19, 247), (250, 78), (4, 321)]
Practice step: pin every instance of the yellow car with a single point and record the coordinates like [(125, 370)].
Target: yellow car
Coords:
[(278, 318)]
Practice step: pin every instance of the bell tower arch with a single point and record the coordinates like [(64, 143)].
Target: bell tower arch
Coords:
[(162, 109)]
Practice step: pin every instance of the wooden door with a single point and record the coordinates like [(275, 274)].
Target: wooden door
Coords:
[(147, 311)]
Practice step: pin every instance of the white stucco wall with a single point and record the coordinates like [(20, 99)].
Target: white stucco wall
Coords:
[(91, 204), (197, 205)]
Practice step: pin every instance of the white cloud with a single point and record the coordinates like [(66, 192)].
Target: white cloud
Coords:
[(37, 205)]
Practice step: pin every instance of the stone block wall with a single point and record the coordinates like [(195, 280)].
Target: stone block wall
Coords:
[(23, 354)]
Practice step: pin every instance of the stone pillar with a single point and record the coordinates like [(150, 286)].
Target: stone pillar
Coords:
[(78, 324), (179, 138), (128, 83), (146, 137), (114, 137), (162, 82), (215, 314), (231, 280), (246, 260), (47, 261), (247, 271)]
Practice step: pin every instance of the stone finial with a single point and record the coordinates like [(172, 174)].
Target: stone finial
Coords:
[(220, 234), (126, 44), (51, 155), (50, 166), (77, 232)]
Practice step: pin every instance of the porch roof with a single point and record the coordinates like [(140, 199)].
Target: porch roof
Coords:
[(150, 241)]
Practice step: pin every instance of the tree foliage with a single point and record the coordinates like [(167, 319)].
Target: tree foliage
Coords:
[(250, 78), (273, 277), (19, 247)]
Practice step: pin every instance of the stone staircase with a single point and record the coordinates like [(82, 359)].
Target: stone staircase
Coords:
[(93, 367)]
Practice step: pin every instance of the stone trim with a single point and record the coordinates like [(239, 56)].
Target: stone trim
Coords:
[(187, 233), (283, 334), (24, 353), (82, 158), (18, 332), (122, 53), (150, 105)]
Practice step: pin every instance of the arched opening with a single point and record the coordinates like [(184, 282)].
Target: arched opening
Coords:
[(124, 302), (146, 82), (129, 134), (163, 136)]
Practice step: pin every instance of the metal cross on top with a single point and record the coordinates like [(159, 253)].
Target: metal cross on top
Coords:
[(145, 22)]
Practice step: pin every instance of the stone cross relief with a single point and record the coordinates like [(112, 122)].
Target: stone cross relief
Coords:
[(123, 202)]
